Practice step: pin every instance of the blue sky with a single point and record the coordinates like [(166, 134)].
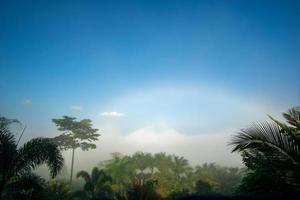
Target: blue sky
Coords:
[(197, 66)]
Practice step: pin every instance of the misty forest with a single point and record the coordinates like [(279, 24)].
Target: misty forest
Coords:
[(269, 150), (149, 99)]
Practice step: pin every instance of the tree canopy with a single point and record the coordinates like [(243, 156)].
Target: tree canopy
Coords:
[(171, 174), (76, 134)]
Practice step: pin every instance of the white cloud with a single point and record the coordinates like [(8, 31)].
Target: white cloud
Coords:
[(26, 102), (112, 114), (76, 108)]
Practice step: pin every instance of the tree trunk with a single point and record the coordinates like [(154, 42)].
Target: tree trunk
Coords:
[(72, 165)]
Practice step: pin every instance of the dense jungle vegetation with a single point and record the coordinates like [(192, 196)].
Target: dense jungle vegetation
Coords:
[(270, 151)]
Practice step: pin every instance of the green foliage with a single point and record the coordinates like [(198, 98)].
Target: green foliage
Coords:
[(173, 175), (97, 184), (203, 187), (261, 178), (76, 134), (16, 177), (121, 169), (28, 186), (222, 180), (271, 151), (57, 190), (145, 191)]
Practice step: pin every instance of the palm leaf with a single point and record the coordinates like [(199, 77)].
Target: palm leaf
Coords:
[(292, 116), (267, 138), (95, 175), (8, 150), (26, 186), (39, 151), (85, 175)]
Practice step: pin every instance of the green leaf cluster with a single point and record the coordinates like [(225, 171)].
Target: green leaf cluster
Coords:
[(76, 134)]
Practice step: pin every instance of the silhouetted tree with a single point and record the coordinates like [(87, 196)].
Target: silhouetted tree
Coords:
[(76, 134), (271, 150), (16, 177)]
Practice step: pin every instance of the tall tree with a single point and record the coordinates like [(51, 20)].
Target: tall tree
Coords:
[(272, 150), (16, 177), (76, 134)]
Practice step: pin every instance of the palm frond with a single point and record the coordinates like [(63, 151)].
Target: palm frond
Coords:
[(103, 177), (292, 116), (7, 139), (27, 181), (39, 151), (267, 138), (95, 175), (8, 151), (85, 175), (291, 131), (25, 186), (5, 123)]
